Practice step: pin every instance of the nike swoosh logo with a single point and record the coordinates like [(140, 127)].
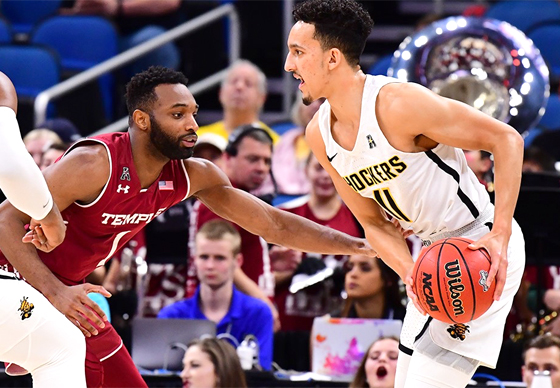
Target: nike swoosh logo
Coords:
[(45, 205), (330, 158)]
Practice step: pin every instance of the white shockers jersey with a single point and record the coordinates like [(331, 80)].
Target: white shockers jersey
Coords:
[(431, 192)]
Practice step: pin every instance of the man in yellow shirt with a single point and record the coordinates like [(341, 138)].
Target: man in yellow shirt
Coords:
[(242, 95)]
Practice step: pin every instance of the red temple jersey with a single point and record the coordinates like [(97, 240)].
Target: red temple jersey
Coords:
[(256, 262), (298, 310), (97, 230)]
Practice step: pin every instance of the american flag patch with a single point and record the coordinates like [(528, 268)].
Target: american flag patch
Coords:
[(166, 185)]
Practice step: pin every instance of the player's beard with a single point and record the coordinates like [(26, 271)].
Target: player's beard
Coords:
[(167, 145)]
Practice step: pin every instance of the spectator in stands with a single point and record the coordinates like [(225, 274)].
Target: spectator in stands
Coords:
[(218, 255), (377, 369), (138, 21), (291, 152), (324, 206), (480, 162), (373, 290), (542, 354), (242, 95), (247, 164), (51, 154), (64, 128), (211, 146), (536, 159), (38, 141), (211, 362)]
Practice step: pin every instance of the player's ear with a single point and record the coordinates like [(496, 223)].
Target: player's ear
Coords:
[(141, 119), (335, 58)]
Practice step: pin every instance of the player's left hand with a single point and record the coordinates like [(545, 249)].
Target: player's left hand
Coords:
[(496, 245), (48, 233)]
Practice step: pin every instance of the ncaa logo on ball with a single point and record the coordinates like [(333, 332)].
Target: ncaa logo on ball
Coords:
[(428, 291)]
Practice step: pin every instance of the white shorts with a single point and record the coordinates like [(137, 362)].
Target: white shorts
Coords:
[(39, 338), (483, 339)]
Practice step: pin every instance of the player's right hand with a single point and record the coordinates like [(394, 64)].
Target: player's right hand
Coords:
[(409, 282), (48, 233), (74, 303)]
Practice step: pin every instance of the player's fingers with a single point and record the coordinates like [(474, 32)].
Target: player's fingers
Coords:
[(86, 325), (97, 289), (73, 317), (40, 234), (94, 313), (28, 237), (500, 280), (412, 295)]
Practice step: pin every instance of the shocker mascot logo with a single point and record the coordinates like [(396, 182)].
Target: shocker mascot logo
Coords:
[(458, 331), (26, 308)]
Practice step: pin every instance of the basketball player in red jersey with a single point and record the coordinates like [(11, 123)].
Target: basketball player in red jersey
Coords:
[(110, 186), (24, 312)]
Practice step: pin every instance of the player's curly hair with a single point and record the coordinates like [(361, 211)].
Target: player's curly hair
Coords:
[(140, 91), (343, 24)]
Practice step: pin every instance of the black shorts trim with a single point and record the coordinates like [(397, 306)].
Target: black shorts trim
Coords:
[(405, 350)]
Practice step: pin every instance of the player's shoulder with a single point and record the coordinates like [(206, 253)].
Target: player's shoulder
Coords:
[(204, 174), (199, 166), (400, 94), (89, 153)]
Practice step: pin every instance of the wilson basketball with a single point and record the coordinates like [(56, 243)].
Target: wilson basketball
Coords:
[(450, 281)]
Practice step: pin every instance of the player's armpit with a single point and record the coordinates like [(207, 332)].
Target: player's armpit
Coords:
[(79, 176)]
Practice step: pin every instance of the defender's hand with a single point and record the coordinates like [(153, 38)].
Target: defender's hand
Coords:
[(74, 303), (48, 233)]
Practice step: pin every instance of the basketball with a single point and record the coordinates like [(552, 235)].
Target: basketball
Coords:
[(450, 281)]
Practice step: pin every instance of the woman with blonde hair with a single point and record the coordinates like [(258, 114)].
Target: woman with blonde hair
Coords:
[(211, 362), (378, 367)]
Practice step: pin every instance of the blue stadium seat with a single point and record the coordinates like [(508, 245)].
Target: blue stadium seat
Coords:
[(524, 14), (25, 14), (546, 38), (282, 127), (32, 69), (81, 42), (381, 66), (5, 32)]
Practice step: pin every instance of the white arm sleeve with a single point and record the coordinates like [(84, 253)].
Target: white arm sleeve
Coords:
[(20, 178)]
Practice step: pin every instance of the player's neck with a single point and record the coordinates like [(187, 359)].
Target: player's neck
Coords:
[(345, 97), (233, 119), (324, 208), (148, 162), (371, 307)]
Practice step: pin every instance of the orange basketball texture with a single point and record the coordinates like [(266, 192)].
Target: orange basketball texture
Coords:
[(450, 281)]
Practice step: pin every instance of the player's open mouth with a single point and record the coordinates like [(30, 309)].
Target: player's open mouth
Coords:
[(381, 372), (189, 140), (296, 76)]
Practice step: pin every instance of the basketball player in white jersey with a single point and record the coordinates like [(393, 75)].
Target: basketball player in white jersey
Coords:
[(395, 148), (54, 362)]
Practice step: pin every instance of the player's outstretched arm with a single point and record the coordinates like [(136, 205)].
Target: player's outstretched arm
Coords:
[(212, 187), (78, 177), (419, 114), (20, 178)]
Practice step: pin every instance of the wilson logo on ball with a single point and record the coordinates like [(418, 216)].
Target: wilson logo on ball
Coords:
[(456, 287)]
